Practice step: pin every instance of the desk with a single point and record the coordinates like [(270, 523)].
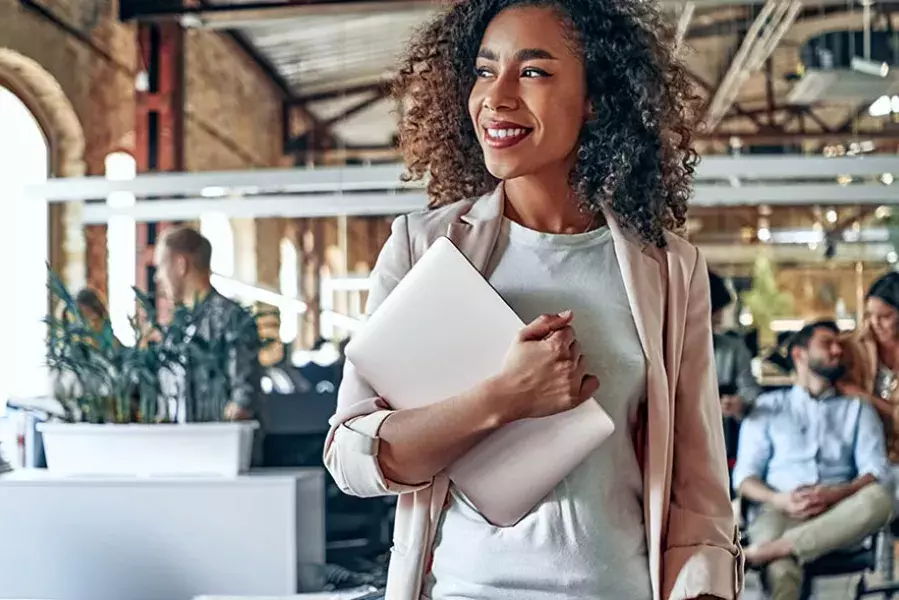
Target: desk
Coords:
[(103, 538)]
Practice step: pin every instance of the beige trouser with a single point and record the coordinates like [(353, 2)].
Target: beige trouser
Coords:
[(845, 525)]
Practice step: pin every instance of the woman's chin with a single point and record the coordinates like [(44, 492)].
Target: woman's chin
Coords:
[(506, 169)]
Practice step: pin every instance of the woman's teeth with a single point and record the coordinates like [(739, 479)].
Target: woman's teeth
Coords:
[(505, 133)]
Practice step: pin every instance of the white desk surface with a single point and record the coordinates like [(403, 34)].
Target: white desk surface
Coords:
[(174, 538), (254, 477)]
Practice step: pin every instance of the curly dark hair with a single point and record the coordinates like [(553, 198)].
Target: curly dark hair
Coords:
[(635, 155)]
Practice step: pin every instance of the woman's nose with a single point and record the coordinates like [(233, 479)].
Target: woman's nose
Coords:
[(502, 95)]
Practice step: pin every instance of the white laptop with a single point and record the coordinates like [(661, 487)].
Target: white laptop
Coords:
[(442, 331)]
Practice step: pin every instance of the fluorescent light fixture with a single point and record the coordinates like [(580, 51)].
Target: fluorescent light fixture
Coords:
[(779, 325), (213, 192), (809, 237), (870, 67), (883, 106), (880, 107)]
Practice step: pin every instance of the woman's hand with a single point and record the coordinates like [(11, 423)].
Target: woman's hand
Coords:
[(545, 372)]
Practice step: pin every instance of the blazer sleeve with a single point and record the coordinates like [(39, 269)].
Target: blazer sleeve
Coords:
[(351, 447), (702, 554)]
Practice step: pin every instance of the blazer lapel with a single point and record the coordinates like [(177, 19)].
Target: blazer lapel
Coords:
[(477, 231)]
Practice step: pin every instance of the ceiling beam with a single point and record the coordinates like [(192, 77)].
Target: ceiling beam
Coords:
[(386, 178), (739, 28), (381, 86), (760, 41), (381, 203), (354, 110), (236, 13), (710, 89)]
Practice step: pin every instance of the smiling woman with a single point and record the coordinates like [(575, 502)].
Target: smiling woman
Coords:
[(556, 138), (601, 82)]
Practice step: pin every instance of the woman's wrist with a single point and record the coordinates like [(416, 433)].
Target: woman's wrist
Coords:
[(499, 400)]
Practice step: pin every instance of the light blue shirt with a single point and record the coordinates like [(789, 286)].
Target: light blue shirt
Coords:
[(792, 439)]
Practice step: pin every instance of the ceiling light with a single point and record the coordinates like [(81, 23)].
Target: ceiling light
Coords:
[(870, 67), (764, 234), (883, 212), (831, 216), (844, 179), (881, 107), (886, 179), (213, 192), (142, 81), (892, 258)]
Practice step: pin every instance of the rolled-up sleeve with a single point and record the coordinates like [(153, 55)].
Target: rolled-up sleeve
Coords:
[(870, 448), (702, 555), (754, 449), (352, 445)]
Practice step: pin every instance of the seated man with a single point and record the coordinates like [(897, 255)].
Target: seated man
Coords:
[(815, 462)]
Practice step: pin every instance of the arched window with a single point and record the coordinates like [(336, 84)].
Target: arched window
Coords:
[(288, 279), (121, 249), (24, 252)]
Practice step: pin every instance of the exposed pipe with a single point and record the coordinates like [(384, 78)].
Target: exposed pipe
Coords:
[(718, 107), (683, 22), (760, 42)]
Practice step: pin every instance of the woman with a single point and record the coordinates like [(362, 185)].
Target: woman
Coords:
[(567, 121), (871, 356)]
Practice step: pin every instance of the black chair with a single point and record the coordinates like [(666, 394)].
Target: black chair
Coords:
[(836, 564)]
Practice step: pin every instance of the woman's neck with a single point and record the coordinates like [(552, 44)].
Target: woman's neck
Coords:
[(545, 204)]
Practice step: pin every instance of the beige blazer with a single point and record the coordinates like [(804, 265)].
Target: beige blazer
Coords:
[(692, 539)]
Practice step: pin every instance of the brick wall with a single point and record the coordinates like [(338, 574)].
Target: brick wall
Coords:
[(233, 112)]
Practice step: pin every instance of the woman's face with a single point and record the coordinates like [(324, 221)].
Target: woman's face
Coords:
[(529, 101), (883, 320)]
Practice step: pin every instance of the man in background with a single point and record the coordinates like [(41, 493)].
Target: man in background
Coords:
[(816, 463), (183, 272), (737, 386)]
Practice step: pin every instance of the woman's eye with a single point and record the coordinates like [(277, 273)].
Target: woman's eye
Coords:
[(482, 72), (530, 72)]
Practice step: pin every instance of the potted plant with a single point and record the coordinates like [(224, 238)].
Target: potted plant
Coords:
[(118, 420)]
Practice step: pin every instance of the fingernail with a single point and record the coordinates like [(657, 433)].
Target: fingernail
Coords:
[(565, 314)]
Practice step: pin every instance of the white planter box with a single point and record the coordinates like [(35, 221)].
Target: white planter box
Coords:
[(213, 449)]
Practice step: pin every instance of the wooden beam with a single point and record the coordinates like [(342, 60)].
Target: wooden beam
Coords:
[(381, 86), (355, 109)]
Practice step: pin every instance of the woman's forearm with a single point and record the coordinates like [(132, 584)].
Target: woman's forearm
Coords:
[(419, 443)]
